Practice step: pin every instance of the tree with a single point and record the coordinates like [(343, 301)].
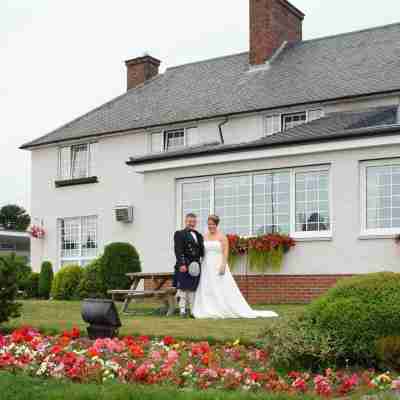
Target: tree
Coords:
[(45, 280), (14, 218), (8, 291)]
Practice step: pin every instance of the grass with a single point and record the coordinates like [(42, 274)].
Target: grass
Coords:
[(25, 388), (20, 387), (55, 316)]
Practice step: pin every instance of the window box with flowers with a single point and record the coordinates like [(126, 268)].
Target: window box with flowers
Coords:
[(264, 253)]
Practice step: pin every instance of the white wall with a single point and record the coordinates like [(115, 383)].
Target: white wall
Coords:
[(345, 253), (117, 183), (153, 196)]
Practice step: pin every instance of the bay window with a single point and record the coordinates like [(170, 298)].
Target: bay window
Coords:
[(291, 201), (77, 240), (380, 194)]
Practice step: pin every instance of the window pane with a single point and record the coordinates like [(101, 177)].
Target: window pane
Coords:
[(70, 237), (65, 163), (383, 201), (292, 120), (78, 240), (175, 139), (89, 236), (233, 204), (196, 199), (314, 114), (272, 124), (156, 142), (312, 201), (272, 203), (79, 160)]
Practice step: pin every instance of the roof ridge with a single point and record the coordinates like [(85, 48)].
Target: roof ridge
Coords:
[(374, 28), (207, 60)]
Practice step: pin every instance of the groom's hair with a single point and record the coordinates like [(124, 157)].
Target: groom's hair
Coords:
[(191, 215)]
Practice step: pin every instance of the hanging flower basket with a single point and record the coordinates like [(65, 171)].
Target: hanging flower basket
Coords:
[(37, 232), (264, 252)]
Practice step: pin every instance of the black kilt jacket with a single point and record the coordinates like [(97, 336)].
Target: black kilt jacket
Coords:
[(187, 250)]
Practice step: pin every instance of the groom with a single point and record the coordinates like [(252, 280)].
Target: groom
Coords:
[(189, 247)]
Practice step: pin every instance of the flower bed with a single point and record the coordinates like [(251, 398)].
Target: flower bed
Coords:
[(192, 365)]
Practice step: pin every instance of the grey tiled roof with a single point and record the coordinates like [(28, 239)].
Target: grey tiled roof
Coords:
[(343, 125), (346, 65)]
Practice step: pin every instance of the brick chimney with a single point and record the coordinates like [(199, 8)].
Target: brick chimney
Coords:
[(272, 22), (141, 69)]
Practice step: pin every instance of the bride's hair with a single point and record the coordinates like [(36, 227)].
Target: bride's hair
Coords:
[(214, 218)]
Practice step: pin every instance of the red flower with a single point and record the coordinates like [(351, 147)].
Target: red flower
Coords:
[(136, 351), (169, 340), (56, 349)]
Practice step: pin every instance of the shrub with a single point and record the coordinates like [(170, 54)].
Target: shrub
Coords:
[(31, 285), (22, 269), (118, 260), (294, 344), (91, 284), (358, 312), (45, 280), (388, 352), (9, 308), (66, 281)]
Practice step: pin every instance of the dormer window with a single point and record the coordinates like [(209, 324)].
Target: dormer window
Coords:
[(292, 120), (173, 139), (282, 122)]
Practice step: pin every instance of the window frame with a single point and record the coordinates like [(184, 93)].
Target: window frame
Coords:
[(166, 132), (302, 236), (89, 161), (281, 115), (376, 232), (76, 259)]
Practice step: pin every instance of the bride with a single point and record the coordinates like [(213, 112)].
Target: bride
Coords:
[(218, 295)]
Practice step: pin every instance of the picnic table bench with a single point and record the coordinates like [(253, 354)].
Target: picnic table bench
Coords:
[(159, 291)]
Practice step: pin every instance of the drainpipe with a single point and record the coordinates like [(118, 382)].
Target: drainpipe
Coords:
[(221, 136)]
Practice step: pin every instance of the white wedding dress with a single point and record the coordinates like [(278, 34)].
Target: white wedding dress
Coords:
[(218, 296)]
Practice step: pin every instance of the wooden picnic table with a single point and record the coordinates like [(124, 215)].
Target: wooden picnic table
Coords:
[(158, 290)]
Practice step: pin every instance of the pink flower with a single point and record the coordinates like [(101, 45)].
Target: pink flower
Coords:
[(172, 356), (155, 356)]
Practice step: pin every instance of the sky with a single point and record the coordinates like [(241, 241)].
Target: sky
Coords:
[(60, 59)]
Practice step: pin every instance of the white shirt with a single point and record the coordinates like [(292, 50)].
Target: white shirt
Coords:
[(194, 236)]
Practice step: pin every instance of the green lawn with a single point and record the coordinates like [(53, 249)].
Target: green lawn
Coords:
[(55, 316), (18, 387)]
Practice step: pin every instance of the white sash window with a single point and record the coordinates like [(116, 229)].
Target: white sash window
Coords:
[(76, 161)]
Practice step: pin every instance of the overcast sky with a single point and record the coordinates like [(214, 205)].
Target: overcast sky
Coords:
[(59, 59)]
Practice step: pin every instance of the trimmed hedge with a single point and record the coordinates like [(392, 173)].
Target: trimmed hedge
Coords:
[(91, 284), (45, 280), (9, 308), (357, 313), (66, 282), (118, 260)]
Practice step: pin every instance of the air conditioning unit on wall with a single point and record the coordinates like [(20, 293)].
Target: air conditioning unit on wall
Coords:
[(123, 213)]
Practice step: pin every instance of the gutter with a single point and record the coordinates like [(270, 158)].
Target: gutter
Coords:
[(238, 113), (344, 135)]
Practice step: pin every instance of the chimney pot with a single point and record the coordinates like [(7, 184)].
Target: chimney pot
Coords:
[(141, 69), (272, 22)]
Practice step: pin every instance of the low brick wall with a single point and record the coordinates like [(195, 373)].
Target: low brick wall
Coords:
[(285, 289)]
